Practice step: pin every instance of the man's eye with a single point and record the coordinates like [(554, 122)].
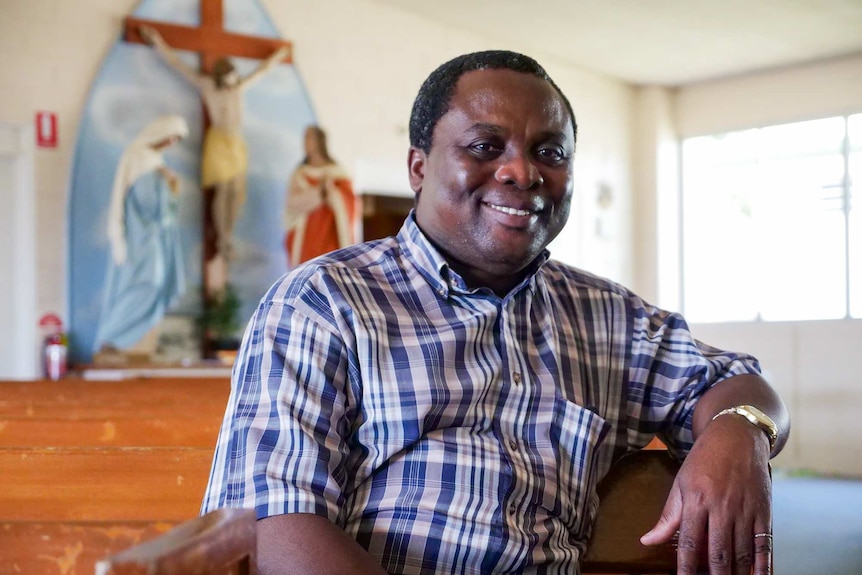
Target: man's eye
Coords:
[(484, 148), (552, 153)]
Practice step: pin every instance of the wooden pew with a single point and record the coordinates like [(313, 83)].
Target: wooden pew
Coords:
[(89, 468), (632, 496), (134, 413), (103, 483)]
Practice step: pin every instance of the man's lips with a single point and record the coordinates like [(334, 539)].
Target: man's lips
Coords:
[(510, 211)]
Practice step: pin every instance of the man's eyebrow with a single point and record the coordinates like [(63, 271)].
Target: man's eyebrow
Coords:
[(486, 127), (554, 135)]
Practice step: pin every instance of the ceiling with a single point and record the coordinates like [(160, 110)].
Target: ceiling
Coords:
[(660, 42)]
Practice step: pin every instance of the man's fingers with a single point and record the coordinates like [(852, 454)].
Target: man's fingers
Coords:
[(669, 521), (691, 542), (763, 553), (720, 550), (743, 552)]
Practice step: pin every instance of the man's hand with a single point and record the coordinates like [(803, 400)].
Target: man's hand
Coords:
[(720, 500)]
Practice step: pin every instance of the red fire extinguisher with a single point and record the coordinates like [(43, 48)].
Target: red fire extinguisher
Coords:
[(55, 346), (55, 356)]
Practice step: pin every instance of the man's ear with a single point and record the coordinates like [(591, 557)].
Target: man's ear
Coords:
[(416, 159)]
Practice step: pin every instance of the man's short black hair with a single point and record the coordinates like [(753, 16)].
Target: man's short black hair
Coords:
[(435, 95)]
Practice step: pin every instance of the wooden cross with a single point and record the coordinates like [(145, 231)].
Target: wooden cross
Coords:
[(211, 41)]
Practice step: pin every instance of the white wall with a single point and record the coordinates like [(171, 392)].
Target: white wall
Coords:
[(656, 199), (19, 338), (816, 366), (361, 63), (819, 90)]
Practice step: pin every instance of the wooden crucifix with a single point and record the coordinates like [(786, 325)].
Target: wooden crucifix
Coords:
[(223, 158)]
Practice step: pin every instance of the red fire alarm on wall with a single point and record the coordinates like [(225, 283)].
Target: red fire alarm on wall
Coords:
[(46, 129)]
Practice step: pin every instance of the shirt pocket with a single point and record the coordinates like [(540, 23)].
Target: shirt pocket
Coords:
[(575, 435)]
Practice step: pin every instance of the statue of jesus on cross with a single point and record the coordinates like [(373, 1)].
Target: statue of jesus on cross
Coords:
[(223, 158)]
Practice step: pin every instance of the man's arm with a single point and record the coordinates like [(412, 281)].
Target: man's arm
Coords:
[(282, 446), (302, 543), (722, 495), (152, 37)]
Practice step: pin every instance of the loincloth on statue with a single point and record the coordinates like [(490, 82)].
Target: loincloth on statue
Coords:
[(224, 157)]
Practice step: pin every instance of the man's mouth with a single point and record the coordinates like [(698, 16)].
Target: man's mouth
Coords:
[(510, 211)]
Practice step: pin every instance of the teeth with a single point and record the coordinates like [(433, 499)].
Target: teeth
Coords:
[(510, 211)]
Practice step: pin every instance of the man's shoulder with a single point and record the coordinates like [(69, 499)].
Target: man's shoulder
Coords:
[(572, 278), (363, 263)]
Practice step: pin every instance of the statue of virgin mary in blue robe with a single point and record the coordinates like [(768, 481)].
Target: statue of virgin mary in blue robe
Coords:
[(145, 272)]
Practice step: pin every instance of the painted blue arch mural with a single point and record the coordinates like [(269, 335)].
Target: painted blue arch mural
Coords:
[(133, 88)]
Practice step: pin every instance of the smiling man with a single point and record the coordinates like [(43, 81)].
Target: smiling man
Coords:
[(446, 400), (495, 187)]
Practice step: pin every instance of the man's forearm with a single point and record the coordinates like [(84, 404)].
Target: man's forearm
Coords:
[(743, 390), (301, 543)]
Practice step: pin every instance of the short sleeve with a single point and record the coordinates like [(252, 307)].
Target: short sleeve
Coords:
[(282, 447), (669, 371)]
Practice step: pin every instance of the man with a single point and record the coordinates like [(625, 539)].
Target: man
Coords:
[(446, 401)]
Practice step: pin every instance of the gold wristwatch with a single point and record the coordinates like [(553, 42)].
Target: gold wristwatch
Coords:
[(755, 417)]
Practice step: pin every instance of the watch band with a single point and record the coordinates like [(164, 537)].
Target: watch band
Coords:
[(755, 417)]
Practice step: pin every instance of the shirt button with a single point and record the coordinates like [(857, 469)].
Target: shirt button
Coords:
[(512, 508), (516, 377), (513, 444)]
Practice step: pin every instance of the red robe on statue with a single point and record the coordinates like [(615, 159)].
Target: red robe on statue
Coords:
[(320, 213)]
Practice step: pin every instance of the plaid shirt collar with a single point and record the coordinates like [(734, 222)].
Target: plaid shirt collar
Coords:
[(440, 275)]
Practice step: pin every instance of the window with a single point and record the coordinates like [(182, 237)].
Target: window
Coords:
[(769, 230)]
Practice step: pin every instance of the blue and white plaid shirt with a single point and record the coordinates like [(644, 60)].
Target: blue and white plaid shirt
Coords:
[(446, 429)]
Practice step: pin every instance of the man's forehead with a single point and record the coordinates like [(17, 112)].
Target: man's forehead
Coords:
[(497, 79), (481, 90)]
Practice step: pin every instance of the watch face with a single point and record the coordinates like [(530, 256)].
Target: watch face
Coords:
[(761, 420), (756, 418)]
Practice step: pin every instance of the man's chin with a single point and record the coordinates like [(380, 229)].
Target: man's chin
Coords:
[(510, 264)]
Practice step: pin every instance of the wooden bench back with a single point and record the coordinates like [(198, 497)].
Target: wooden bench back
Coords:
[(69, 548), (222, 542), (102, 483), (631, 499), (133, 413), (88, 468), (144, 396)]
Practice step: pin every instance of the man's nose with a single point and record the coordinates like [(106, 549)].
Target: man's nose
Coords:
[(519, 170)]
